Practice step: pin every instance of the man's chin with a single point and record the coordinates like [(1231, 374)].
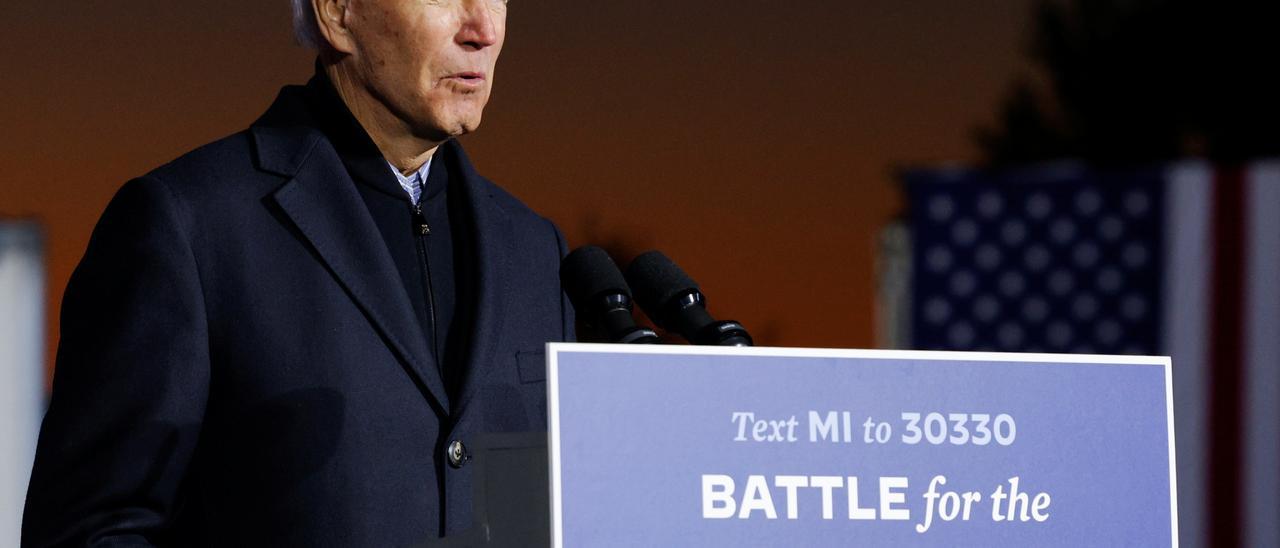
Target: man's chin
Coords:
[(468, 127), (441, 130)]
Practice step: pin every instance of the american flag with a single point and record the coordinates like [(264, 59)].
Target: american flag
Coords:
[(1180, 260)]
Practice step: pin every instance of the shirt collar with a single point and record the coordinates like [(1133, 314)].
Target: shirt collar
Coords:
[(415, 183)]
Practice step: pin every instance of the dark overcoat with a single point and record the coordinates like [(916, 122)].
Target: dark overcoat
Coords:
[(240, 364)]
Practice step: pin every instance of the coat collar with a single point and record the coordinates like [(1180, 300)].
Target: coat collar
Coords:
[(321, 200), (493, 237)]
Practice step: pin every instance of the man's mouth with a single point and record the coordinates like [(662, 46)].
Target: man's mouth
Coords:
[(467, 78)]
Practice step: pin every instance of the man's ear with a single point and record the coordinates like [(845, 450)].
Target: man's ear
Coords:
[(331, 19)]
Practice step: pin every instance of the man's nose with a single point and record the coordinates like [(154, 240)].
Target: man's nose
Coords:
[(481, 25)]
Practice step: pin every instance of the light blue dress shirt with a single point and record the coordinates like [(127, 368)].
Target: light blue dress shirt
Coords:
[(414, 183)]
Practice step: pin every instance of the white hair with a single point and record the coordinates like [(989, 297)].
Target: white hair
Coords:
[(305, 28)]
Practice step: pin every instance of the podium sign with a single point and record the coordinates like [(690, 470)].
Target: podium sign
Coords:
[(704, 446)]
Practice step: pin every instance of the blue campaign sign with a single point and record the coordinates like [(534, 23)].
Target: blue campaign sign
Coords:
[(703, 446)]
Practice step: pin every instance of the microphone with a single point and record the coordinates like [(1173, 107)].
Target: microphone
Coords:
[(672, 300), (600, 294)]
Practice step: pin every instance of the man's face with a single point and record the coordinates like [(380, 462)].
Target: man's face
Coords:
[(430, 62)]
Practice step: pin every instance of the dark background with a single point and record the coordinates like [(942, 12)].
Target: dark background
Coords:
[(758, 144), (754, 142)]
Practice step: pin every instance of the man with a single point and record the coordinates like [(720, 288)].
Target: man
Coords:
[(289, 336)]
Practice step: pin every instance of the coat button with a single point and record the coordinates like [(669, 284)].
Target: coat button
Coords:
[(457, 454)]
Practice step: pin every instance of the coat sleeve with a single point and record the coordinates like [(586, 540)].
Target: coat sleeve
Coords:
[(130, 383)]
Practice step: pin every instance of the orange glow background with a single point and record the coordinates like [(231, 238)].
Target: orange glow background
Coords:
[(753, 142)]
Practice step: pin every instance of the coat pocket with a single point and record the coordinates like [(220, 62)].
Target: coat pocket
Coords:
[(532, 365)]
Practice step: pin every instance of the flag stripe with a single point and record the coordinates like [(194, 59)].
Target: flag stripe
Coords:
[(1262, 358), (1185, 319), (1226, 338)]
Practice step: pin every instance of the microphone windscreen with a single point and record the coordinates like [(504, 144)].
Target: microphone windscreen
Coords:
[(588, 272), (656, 280)]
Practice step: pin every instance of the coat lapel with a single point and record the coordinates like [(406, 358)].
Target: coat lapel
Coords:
[(493, 239), (322, 202)]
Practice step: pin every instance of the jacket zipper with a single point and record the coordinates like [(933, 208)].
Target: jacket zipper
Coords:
[(422, 229)]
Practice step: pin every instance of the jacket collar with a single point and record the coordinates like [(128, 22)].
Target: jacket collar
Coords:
[(317, 106), (493, 237), (321, 200)]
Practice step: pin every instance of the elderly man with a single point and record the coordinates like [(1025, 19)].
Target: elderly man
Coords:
[(289, 336)]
